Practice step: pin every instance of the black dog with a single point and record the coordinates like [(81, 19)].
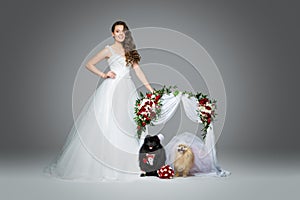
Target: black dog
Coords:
[(152, 156)]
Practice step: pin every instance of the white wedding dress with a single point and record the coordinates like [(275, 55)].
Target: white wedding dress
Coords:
[(102, 143)]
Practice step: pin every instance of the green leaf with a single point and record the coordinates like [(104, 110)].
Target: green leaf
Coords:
[(176, 93), (141, 95)]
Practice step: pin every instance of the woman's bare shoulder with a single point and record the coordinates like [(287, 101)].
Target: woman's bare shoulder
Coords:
[(105, 52)]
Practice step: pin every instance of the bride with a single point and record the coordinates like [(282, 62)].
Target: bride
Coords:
[(102, 144)]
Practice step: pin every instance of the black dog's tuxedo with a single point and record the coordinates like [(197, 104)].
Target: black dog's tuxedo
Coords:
[(152, 156)]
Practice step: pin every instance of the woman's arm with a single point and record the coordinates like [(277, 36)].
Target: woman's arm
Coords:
[(90, 65), (140, 74)]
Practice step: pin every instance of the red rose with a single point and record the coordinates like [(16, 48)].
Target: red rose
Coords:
[(208, 108), (143, 123), (208, 115), (157, 97), (149, 95), (208, 120), (203, 101)]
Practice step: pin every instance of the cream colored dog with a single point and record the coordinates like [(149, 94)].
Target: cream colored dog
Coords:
[(184, 160)]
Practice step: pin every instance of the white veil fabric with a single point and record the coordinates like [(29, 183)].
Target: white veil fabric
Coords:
[(205, 162)]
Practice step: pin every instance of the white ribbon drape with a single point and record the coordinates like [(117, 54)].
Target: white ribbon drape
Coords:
[(170, 104)]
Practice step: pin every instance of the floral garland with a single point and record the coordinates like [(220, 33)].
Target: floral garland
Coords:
[(148, 108), (206, 111)]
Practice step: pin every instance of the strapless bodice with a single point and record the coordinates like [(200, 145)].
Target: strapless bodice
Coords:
[(117, 64)]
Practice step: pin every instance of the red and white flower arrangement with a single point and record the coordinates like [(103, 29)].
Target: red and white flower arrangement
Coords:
[(165, 172), (147, 108), (206, 111)]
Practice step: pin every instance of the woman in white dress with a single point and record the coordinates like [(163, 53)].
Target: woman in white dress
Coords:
[(102, 143)]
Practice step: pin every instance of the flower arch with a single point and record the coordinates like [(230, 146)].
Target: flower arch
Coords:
[(158, 107)]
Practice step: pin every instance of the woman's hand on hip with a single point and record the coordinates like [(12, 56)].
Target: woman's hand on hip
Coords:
[(110, 74)]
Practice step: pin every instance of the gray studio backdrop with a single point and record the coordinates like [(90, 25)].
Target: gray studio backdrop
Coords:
[(254, 44)]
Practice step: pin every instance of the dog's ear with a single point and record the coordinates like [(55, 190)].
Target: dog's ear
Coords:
[(161, 137), (147, 137), (156, 138)]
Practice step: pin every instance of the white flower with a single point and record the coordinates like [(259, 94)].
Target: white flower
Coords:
[(153, 106), (208, 104), (144, 113), (207, 111), (141, 105), (145, 100), (202, 109)]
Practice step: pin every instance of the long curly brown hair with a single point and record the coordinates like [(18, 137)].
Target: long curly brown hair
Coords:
[(128, 44)]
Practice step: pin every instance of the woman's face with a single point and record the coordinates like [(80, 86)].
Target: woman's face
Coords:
[(118, 33)]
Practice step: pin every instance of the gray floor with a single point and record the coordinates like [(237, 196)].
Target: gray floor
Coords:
[(254, 176)]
